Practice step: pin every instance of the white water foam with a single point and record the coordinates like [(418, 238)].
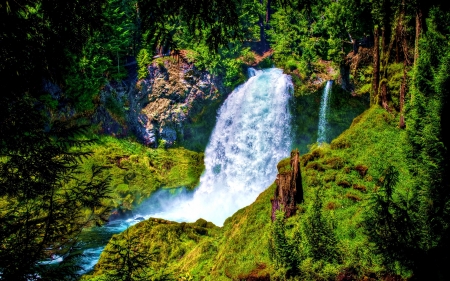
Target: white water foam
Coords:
[(251, 136)]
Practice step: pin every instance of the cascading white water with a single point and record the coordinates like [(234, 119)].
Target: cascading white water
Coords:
[(322, 133), (252, 72), (251, 136)]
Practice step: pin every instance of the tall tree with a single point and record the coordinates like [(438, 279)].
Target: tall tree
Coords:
[(44, 204), (428, 118)]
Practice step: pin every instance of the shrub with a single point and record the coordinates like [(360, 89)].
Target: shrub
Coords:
[(143, 60)]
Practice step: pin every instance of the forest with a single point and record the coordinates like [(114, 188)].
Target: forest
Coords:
[(118, 116)]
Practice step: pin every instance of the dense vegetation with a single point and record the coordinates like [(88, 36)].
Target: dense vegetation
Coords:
[(376, 198), (328, 237)]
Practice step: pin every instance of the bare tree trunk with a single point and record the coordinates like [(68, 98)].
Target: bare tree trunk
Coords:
[(268, 11), (384, 95), (376, 65), (262, 33), (402, 97), (418, 31), (402, 37), (397, 49)]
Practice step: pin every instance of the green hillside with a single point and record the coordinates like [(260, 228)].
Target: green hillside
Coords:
[(344, 175)]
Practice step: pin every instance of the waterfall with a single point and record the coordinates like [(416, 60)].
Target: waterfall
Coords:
[(251, 136), (322, 132)]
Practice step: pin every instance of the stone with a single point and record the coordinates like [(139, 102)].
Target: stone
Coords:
[(289, 190)]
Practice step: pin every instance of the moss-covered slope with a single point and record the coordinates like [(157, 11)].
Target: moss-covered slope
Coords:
[(137, 171)]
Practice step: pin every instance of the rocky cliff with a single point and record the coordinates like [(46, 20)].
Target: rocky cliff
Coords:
[(162, 108), (289, 190)]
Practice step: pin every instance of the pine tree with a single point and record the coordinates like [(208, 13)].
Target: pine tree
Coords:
[(318, 234)]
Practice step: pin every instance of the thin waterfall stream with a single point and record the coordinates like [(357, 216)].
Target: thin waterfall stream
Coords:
[(252, 134), (324, 105)]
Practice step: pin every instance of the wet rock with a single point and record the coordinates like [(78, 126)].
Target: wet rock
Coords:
[(175, 101), (159, 106), (169, 135)]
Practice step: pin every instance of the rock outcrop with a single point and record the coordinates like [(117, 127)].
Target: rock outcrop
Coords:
[(176, 93), (289, 190), (161, 106)]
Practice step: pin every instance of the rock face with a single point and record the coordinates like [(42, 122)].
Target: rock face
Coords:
[(289, 191), (159, 108)]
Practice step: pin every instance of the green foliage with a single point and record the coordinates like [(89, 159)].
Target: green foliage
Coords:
[(325, 239), (318, 234), (49, 101), (344, 184), (137, 171), (281, 248), (214, 22), (124, 259), (144, 251), (143, 60), (44, 205), (46, 32), (428, 114), (266, 63), (343, 108), (85, 75), (103, 56), (226, 62), (115, 108), (389, 224)]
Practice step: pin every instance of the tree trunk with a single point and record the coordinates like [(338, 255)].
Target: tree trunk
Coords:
[(262, 33), (376, 65), (418, 31), (402, 39), (268, 12), (402, 97), (397, 49), (384, 95)]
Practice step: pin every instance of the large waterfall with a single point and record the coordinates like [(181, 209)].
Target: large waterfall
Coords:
[(251, 136), (322, 133)]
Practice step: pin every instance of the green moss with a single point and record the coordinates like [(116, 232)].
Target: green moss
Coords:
[(167, 242), (284, 166), (137, 171)]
